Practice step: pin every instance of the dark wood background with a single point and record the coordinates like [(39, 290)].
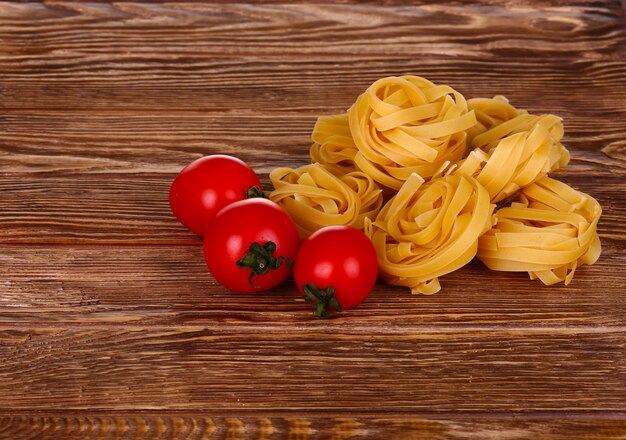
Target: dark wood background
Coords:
[(110, 325)]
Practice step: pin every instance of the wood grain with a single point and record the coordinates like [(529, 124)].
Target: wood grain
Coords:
[(107, 285), (67, 142), (110, 325), (302, 28), (305, 428), (133, 208), (255, 56), (304, 369)]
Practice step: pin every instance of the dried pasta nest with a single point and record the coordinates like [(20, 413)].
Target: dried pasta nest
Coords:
[(513, 149), (333, 145), (490, 112), (405, 125), (444, 163), (515, 162), (548, 233), (429, 230), (316, 197)]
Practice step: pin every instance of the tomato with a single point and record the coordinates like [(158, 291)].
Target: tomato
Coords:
[(336, 267), (250, 245), (207, 185)]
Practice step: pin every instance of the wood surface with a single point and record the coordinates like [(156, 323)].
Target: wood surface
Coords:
[(110, 325)]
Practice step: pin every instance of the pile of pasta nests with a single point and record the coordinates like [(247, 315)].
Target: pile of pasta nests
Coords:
[(434, 180)]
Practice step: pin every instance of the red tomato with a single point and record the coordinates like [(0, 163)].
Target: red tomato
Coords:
[(207, 185), (336, 267), (249, 245)]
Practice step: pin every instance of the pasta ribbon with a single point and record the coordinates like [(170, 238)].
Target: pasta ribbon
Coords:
[(408, 138), (333, 144), (515, 162), (490, 112), (497, 119), (512, 147), (548, 233), (405, 125), (315, 197), (428, 230), (490, 139)]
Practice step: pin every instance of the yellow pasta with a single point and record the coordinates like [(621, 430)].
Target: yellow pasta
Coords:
[(490, 112), (333, 144), (405, 125), (525, 123), (429, 230), (409, 138), (549, 233), (513, 148), (515, 162), (315, 197)]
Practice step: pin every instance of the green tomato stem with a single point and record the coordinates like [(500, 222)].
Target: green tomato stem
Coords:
[(255, 192), (322, 299), (260, 259)]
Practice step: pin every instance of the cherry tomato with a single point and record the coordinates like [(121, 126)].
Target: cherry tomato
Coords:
[(250, 245), (207, 185), (336, 267)]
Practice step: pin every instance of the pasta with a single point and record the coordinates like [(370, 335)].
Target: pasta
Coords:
[(429, 230), (408, 138), (405, 125), (515, 162), (497, 120), (512, 148), (315, 197), (333, 144), (549, 233), (490, 112), (524, 123)]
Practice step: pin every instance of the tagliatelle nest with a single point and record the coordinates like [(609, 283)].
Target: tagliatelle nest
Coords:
[(429, 230), (405, 125), (549, 233), (412, 137), (333, 145), (516, 161), (315, 197)]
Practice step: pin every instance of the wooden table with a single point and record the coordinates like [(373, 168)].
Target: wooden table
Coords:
[(110, 325)]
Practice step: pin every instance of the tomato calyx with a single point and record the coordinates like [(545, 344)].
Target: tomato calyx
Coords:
[(322, 298), (255, 192), (260, 260)]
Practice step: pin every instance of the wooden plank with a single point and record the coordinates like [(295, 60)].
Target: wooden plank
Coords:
[(305, 369), (105, 304), (43, 141), (64, 28), (156, 286), (67, 142), (65, 55), (312, 84), (204, 427), (125, 208), (271, 85)]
